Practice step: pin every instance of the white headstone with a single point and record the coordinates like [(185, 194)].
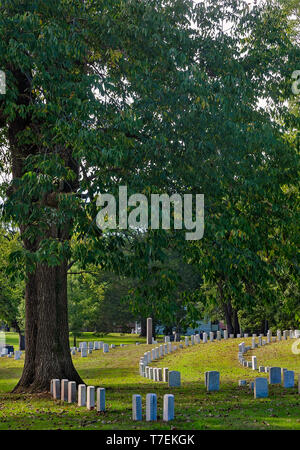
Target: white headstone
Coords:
[(168, 413), (81, 395), (71, 392), (151, 407), (105, 348), (100, 399), (174, 378), (136, 407), (90, 398)]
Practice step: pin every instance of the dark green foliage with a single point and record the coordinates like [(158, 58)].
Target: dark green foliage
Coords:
[(96, 302), (11, 289), (108, 93)]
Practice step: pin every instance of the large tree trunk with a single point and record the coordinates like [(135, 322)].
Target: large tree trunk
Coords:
[(231, 314), (21, 341), (47, 335), (231, 317), (228, 317), (236, 322), (266, 326), (227, 308)]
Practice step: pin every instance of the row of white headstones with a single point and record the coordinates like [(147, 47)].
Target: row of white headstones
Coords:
[(277, 375), (173, 378), (4, 352), (212, 378), (65, 391), (86, 348)]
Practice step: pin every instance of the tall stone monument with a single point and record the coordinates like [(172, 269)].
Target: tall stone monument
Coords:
[(149, 330)]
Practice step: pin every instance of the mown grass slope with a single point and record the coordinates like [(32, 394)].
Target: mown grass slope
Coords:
[(232, 407)]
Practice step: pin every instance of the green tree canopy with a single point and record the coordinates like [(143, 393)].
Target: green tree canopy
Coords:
[(161, 96)]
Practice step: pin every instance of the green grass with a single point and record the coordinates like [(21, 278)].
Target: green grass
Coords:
[(111, 338), (232, 407)]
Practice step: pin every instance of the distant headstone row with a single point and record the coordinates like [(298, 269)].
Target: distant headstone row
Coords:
[(158, 373), (276, 375), (5, 352), (86, 348), (212, 378), (162, 350), (167, 347), (195, 339), (210, 337), (66, 391), (260, 386)]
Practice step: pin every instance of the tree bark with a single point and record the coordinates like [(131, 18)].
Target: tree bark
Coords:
[(228, 317), (266, 326), (47, 334), (227, 308), (236, 322), (231, 314), (21, 341)]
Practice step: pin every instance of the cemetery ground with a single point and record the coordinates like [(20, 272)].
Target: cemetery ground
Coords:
[(232, 408)]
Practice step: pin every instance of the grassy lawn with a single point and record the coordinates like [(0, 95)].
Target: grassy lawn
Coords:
[(112, 338), (232, 407)]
